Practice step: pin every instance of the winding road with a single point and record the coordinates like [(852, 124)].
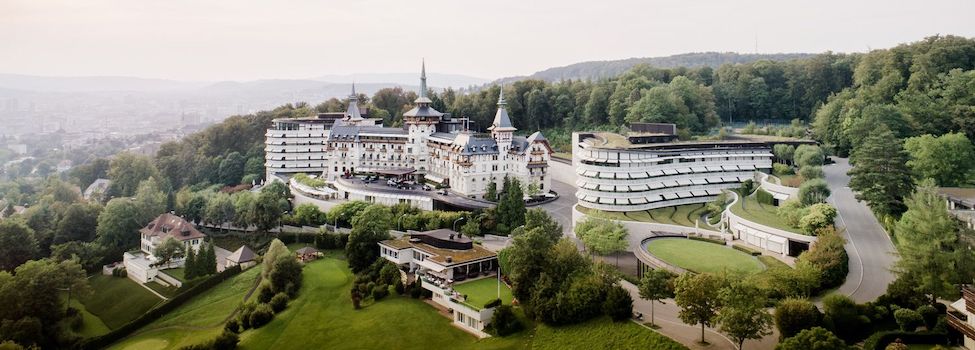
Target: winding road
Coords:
[(872, 254)]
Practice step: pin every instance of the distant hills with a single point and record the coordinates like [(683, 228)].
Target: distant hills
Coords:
[(607, 69)]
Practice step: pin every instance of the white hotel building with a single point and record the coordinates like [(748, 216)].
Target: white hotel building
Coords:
[(648, 168), (431, 146)]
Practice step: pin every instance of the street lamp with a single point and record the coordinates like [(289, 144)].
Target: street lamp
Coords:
[(455, 222)]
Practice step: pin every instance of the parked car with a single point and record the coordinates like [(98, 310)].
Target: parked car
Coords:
[(427, 187), (443, 191)]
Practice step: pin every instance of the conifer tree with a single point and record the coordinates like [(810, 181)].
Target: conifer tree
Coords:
[(189, 267)]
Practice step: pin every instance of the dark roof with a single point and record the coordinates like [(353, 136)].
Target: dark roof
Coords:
[(307, 250), (351, 132), (423, 111), (501, 120), (472, 145), (242, 255), (169, 225)]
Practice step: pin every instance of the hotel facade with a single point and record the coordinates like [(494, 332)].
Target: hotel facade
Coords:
[(430, 147), (648, 168)]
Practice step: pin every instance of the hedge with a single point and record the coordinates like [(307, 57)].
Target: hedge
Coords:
[(880, 340), (705, 239), (746, 250), (155, 313), (763, 197), (320, 240)]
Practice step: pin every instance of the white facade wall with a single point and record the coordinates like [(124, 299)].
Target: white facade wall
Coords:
[(629, 179), (295, 147)]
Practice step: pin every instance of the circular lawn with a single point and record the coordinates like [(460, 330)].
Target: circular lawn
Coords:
[(703, 257)]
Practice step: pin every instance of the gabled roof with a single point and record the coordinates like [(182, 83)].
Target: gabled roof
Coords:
[(306, 251), (242, 255), (469, 144), (169, 225), (536, 137)]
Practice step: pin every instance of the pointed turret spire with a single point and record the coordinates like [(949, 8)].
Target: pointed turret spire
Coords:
[(502, 123), (423, 99), (352, 113), (501, 101)]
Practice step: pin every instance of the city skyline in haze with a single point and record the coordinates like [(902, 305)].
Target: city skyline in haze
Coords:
[(248, 40)]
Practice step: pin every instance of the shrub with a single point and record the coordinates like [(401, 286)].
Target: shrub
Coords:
[(504, 321), (819, 216), (809, 155), (746, 187), (780, 169), (618, 304), (929, 314), (709, 240), (816, 338), (416, 290), (261, 315), (792, 211), (880, 340), (811, 172), (828, 256), (279, 302), (398, 287), (244, 317), (232, 325), (841, 316), (794, 315), (908, 319), (492, 303), (813, 191), (764, 197), (226, 341), (265, 293), (379, 292)]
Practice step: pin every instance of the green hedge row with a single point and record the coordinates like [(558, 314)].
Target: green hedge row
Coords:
[(764, 197), (319, 240), (747, 250), (880, 340), (155, 313), (711, 240)]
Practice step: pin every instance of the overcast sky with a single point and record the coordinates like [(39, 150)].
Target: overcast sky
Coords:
[(244, 39)]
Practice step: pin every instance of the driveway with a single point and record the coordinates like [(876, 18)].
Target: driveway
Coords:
[(561, 208), (872, 254)]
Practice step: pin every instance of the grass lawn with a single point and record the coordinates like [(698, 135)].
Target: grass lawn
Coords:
[(323, 317), (91, 326), (177, 273), (761, 213), (601, 333), (166, 291), (482, 291), (118, 300), (203, 315), (681, 215), (563, 155), (705, 257)]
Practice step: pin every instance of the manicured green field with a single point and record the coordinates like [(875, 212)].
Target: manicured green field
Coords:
[(166, 291), (177, 273), (482, 291), (91, 325), (602, 333), (196, 321), (704, 257), (681, 215), (118, 300), (322, 317), (749, 209)]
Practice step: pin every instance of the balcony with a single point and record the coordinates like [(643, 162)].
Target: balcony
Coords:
[(537, 152), (959, 321)]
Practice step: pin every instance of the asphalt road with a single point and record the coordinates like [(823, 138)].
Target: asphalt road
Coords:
[(561, 208), (872, 254)]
